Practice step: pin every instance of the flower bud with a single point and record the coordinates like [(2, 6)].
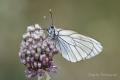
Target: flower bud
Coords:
[(30, 28), (39, 65), (37, 26)]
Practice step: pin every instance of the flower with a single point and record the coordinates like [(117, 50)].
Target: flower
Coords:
[(36, 52)]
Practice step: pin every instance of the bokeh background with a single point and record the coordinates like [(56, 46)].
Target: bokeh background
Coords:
[(99, 19)]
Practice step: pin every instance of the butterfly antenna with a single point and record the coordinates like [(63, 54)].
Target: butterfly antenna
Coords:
[(51, 16)]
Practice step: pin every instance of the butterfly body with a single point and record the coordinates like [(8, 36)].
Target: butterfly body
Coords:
[(52, 32)]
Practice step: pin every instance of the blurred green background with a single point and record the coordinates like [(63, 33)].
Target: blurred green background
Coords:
[(99, 19)]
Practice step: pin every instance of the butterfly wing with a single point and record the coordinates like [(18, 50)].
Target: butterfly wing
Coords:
[(75, 47)]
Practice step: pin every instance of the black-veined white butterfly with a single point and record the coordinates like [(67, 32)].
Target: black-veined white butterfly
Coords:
[(73, 46)]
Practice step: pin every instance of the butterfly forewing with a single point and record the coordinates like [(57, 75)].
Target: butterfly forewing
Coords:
[(75, 47)]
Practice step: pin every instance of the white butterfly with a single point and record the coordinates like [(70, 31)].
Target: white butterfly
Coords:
[(73, 46)]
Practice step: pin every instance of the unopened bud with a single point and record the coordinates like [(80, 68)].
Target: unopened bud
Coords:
[(30, 28)]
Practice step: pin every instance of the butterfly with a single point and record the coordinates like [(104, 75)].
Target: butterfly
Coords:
[(73, 46)]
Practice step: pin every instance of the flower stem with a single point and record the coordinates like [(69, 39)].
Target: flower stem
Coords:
[(47, 77), (39, 78)]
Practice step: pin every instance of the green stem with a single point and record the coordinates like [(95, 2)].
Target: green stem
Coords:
[(39, 78), (47, 77)]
